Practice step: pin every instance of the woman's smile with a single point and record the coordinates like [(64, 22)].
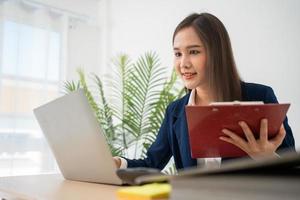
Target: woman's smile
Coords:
[(188, 75)]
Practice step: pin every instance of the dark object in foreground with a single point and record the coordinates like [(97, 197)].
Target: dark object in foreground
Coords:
[(128, 175)]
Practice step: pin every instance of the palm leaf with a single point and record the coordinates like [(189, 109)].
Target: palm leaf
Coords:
[(70, 86), (145, 83), (166, 96), (88, 94), (134, 109), (121, 72), (106, 114), (171, 170)]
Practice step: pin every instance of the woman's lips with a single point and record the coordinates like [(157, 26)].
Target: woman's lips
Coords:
[(188, 75)]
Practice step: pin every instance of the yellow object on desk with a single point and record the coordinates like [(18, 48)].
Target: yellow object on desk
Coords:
[(145, 192)]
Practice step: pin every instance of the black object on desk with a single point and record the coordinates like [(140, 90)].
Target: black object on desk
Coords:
[(129, 175)]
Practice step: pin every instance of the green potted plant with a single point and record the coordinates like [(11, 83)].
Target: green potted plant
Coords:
[(130, 106)]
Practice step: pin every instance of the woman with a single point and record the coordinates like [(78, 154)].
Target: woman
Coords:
[(203, 59)]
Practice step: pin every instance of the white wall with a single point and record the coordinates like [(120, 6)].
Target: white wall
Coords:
[(87, 8), (83, 50), (264, 34), (82, 35)]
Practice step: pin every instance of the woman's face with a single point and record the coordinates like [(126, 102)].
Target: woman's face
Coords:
[(190, 58)]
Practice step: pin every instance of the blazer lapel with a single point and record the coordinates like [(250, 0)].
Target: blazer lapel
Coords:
[(181, 131), (179, 124)]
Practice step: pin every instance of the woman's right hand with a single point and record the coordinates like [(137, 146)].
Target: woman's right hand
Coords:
[(117, 161)]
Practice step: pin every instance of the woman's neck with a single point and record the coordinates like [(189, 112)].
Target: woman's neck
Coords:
[(203, 96)]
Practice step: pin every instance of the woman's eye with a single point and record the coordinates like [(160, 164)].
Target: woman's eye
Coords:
[(194, 52), (177, 54)]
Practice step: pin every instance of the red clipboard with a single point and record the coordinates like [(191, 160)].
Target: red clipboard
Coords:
[(205, 124)]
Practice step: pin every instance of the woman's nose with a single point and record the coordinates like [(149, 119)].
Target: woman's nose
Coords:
[(185, 62)]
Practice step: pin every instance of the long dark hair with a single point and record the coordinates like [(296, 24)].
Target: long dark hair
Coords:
[(221, 70)]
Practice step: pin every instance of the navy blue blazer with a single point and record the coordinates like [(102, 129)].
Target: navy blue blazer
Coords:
[(172, 138)]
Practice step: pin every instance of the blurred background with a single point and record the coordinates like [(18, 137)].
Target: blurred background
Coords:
[(44, 42)]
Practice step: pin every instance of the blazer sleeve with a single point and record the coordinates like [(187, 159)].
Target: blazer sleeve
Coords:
[(288, 142), (159, 152)]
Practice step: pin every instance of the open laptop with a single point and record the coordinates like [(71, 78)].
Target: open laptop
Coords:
[(76, 139)]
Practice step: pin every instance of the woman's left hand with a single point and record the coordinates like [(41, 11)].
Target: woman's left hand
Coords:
[(256, 148)]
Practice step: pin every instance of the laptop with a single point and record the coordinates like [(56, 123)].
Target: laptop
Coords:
[(77, 140)]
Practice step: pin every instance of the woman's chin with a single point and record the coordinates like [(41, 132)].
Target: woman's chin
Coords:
[(190, 87)]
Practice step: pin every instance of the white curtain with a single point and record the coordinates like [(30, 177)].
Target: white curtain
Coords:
[(32, 39)]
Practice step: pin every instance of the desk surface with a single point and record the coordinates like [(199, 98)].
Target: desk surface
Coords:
[(53, 187)]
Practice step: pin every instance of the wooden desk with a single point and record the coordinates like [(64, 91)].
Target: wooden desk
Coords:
[(53, 187)]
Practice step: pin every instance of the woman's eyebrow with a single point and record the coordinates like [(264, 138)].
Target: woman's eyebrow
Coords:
[(193, 46), (189, 47)]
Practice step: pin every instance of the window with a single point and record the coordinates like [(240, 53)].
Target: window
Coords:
[(30, 73)]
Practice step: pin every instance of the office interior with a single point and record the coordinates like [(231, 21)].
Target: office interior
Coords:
[(44, 43)]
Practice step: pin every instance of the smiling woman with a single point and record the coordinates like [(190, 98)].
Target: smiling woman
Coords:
[(209, 47), (204, 60), (189, 51)]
